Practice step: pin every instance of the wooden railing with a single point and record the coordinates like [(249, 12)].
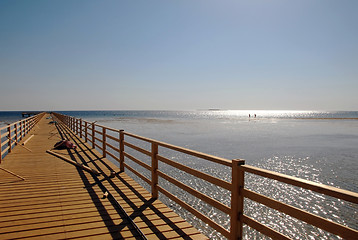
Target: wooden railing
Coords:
[(11, 134), (99, 137)]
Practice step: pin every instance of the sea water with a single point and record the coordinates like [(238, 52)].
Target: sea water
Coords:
[(314, 145)]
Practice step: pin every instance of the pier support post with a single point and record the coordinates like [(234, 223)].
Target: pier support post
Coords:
[(237, 200), (121, 150), (154, 170)]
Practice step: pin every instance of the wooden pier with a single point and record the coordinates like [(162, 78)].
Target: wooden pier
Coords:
[(45, 197), (80, 194), (29, 114)]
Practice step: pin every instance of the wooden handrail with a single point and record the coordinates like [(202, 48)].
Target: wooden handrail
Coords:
[(211, 158), (206, 177), (317, 187), (238, 191), (222, 207), (137, 161), (335, 228), (263, 229), (15, 132), (198, 214)]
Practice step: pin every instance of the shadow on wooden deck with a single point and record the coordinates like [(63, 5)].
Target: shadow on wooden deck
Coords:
[(132, 203)]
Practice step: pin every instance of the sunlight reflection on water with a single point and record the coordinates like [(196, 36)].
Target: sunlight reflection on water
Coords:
[(322, 151)]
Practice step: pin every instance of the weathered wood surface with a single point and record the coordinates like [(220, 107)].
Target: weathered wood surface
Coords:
[(58, 200)]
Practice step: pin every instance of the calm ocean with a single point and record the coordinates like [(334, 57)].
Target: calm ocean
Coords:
[(313, 145)]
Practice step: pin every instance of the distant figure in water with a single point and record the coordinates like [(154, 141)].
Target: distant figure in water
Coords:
[(255, 115), (249, 115)]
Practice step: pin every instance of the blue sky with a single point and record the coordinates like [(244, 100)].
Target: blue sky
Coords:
[(178, 55)]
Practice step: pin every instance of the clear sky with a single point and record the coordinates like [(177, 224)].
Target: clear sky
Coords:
[(178, 54)]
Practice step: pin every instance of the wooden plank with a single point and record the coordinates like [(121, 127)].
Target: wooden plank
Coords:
[(28, 139), (88, 169), (57, 201)]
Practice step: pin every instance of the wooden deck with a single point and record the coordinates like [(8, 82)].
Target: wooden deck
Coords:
[(60, 201)]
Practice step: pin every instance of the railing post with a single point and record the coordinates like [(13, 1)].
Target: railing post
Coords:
[(86, 129), (72, 124), (9, 137), (154, 170), (81, 128), (237, 200), (16, 138), (93, 132), (104, 141), (26, 126), (21, 136), (121, 150)]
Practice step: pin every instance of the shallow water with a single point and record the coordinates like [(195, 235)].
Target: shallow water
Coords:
[(304, 144), (321, 150)]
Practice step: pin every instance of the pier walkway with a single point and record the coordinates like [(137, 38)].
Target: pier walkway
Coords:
[(45, 197)]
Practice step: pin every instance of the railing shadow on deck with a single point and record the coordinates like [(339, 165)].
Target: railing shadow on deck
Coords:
[(98, 136), (86, 155)]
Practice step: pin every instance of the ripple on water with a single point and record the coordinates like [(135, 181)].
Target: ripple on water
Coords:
[(330, 208)]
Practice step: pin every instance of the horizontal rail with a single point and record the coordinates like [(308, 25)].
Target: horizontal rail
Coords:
[(113, 147), (307, 217), (192, 191), (112, 138), (195, 212), (317, 187), (5, 150), (138, 148), (100, 147), (113, 156), (137, 161), (204, 176), (137, 173), (111, 129), (15, 132), (263, 229), (208, 157)]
